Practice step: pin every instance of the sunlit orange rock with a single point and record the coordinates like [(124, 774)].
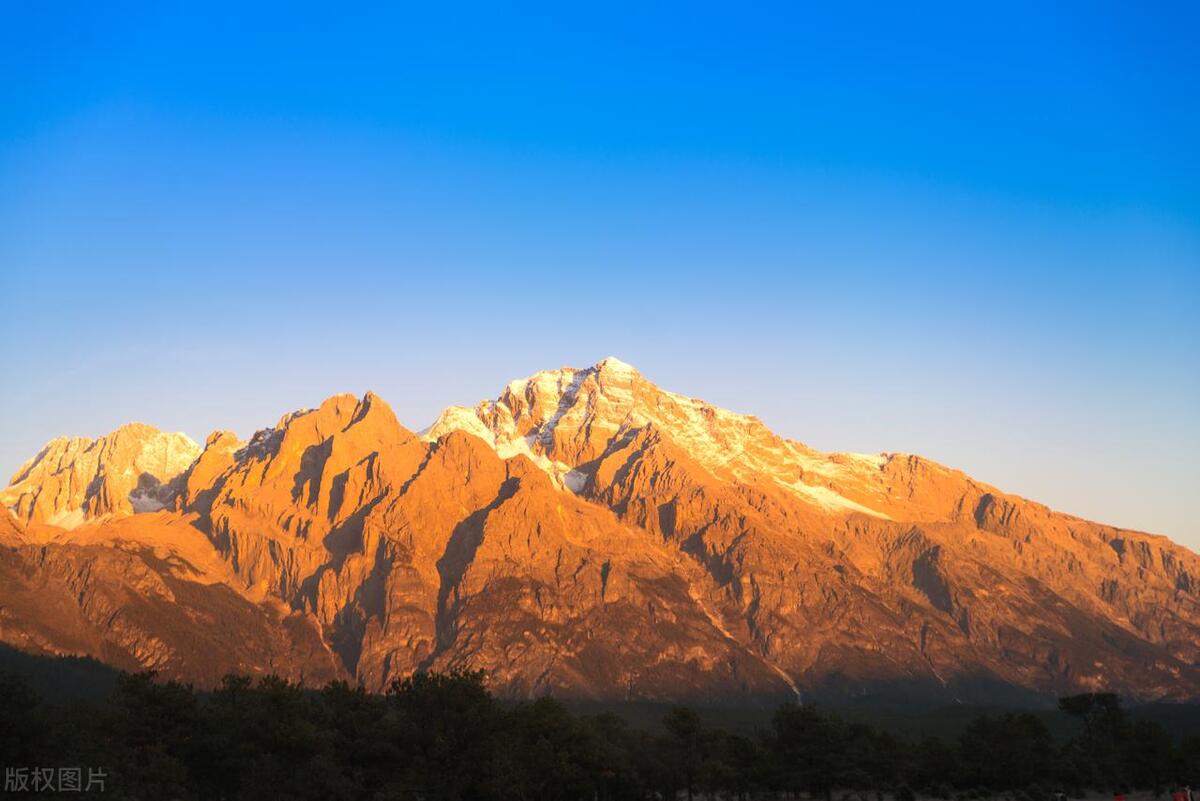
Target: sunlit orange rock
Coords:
[(74, 478), (588, 534)]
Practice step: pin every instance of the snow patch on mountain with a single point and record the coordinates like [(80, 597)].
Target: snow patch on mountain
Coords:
[(829, 499), (67, 518), (459, 418), (538, 415), (614, 366)]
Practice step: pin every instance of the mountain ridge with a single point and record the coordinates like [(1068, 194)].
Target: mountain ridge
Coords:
[(590, 534)]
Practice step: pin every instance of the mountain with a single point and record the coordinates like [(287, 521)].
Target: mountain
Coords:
[(587, 534), (74, 478)]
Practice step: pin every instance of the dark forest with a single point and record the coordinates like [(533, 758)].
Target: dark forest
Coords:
[(444, 737)]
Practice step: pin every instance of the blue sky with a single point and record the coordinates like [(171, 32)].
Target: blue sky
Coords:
[(970, 232)]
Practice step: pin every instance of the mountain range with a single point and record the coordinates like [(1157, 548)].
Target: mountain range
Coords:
[(585, 534)]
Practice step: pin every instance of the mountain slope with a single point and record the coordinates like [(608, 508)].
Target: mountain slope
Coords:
[(860, 568), (590, 534), (74, 478)]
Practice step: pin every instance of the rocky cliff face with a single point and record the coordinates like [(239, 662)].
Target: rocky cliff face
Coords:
[(147, 592), (589, 534), (74, 478)]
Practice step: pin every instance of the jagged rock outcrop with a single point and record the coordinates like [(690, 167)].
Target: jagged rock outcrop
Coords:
[(146, 592), (854, 568), (74, 478), (589, 534)]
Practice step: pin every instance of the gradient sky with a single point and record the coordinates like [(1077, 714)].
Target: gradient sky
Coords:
[(967, 231)]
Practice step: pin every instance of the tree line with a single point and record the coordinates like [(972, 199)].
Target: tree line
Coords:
[(444, 737)]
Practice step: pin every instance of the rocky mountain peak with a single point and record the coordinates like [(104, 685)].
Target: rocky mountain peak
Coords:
[(589, 533), (568, 420), (128, 470), (611, 365)]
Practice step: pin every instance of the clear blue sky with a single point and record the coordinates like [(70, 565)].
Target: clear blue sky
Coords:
[(967, 231)]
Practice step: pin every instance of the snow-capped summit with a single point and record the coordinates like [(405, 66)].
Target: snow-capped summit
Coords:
[(564, 419), (585, 533), (614, 366)]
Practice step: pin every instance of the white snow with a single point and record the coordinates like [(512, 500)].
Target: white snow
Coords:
[(546, 430), (68, 519), (166, 455), (873, 459), (613, 365), (459, 418), (615, 400), (828, 499)]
